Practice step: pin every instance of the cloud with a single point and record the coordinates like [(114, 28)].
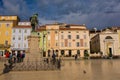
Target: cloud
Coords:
[(14, 7), (93, 13)]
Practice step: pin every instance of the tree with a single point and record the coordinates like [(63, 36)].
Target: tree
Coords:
[(86, 55)]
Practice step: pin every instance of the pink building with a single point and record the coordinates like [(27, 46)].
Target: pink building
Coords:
[(67, 39)]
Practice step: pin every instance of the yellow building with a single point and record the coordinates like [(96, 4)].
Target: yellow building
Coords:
[(6, 24)]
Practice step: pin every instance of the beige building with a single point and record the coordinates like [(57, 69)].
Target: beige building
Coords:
[(106, 42), (67, 39)]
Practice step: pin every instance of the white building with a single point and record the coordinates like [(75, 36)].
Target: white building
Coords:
[(106, 42), (19, 36)]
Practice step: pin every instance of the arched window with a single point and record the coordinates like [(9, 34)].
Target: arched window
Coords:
[(62, 52), (108, 37)]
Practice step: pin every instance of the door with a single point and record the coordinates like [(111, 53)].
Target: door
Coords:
[(70, 53), (110, 52)]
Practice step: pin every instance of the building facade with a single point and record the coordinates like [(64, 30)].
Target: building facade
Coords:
[(106, 42), (19, 36), (65, 39), (6, 24)]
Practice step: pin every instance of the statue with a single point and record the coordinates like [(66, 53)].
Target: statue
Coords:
[(34, 21)]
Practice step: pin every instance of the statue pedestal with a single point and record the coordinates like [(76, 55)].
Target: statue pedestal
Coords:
[(33, 43)]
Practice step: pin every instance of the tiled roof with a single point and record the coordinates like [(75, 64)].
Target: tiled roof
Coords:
[(41, 28), (72, 29), (22, 27)]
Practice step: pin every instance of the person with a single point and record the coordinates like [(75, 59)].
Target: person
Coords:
[(18, 57), (22, 56), (76, 57), (54, 58), (59, 63), (14, 57), (10, 58)]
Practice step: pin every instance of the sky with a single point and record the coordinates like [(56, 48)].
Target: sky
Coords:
[(93, 13)]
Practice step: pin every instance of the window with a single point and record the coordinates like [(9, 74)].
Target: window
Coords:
[(77, 36), (19, 31), (77, 44), (69, 36), (55, 32), (69, 44), (62, 37), (13, 37), (25, 38), (13, 45), (48, 44), (56, 44), (6, 42), (84, 36), (48, 37), (48, 32), (19, 38), (7, 25), (38, 34), (6, 33), (62, 45), (18, 45), (85, 44), (24, 45), (77, 31), (13, 30), (56, 37), (61, 32), (69, 32), (25, 31)]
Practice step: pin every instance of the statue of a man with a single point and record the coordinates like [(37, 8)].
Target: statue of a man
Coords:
[(34, 21)]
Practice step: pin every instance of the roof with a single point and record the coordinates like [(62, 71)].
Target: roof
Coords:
[(72, 29), (66, 24), (22, 27), (41, 28)]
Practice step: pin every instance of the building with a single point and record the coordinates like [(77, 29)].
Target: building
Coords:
[(65, 39), (6, 24), (106, 42), (42, 33), (19, 36)]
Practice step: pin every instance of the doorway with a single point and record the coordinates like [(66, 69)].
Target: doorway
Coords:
[(70, 53), (110, 52)]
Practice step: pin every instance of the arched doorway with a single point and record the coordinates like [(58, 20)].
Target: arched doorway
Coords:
[(62, 52), (86, 55), (70, 53), (48, 53), (109, 45), (56, 53), (78, 52)]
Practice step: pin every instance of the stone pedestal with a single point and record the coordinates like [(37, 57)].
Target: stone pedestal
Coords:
[(33, 43)]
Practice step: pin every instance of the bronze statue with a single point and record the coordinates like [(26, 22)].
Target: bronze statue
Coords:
[(34, 21)]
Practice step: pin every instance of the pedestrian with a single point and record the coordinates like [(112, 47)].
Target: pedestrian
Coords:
[(14, 57), (22, 56), (10, 58), (54, 58), (59, 63), (76, 57), (18, 57)]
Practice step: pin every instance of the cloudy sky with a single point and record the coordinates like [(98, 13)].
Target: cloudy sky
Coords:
[(93, 13)]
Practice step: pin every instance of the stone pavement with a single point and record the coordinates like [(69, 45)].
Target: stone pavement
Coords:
[(72, 70)]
